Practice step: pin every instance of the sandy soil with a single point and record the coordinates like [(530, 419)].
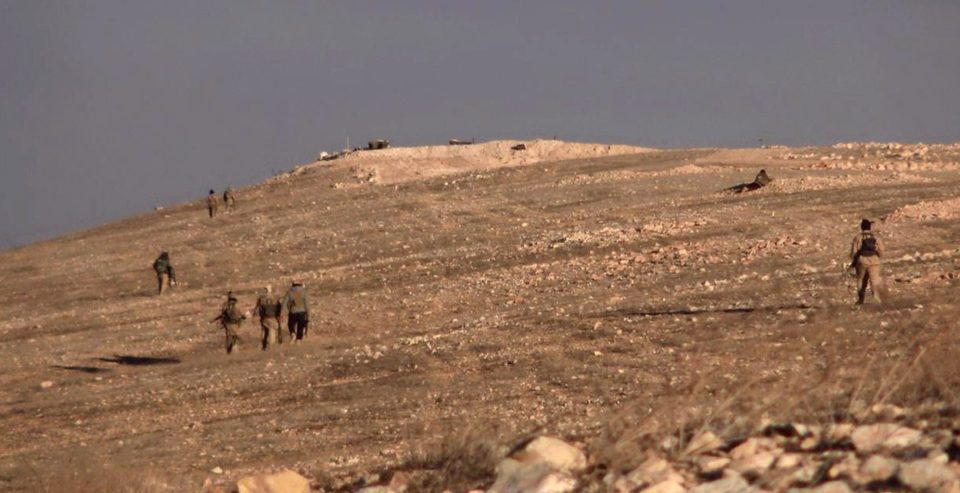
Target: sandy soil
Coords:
[(544, 297)]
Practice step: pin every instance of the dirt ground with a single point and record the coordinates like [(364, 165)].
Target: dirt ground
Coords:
[(561, 297)]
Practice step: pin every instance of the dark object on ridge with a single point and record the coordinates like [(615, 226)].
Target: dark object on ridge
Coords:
[(519, 147), (378, 144), (760, 181), (458, 142)]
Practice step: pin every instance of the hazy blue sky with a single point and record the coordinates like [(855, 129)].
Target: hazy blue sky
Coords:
[(110, 107)]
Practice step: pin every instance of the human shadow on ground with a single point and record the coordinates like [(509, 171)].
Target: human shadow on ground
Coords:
[(83, 369), (139, 360)]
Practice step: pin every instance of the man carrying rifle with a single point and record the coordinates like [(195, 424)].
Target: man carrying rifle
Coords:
[(865, 253), (230, 319)]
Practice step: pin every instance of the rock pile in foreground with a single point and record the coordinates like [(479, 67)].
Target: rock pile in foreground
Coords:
[(878, 454)]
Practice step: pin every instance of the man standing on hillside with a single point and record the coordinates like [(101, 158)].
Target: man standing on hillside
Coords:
[(865, 253), (230, 319), (212, 203), (228, 199), (164, 270), (298, 310), (268, 309)]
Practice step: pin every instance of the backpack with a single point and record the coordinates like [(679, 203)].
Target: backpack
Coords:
[(296, 300), (868, 246), (269, 307), (231, 314), (160, 265)]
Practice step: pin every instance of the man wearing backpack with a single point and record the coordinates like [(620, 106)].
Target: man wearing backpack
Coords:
[(164, 270), (228, 198), (230, 319), (268, 309), (298, 310), (865, 256)]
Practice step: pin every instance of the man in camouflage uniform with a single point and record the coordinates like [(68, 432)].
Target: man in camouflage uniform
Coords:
[(230, 319), (865, 253), (228, 198), (268, 309), (212, 203), (298, 310), (165, 274)]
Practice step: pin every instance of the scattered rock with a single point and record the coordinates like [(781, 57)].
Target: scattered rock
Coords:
[(668, 486), (832, 487), (711, 466), (878, 469), (928, 475), (733, 483), (555, 453), (517, 477), (46, 384), (889, 436), (285, 481)]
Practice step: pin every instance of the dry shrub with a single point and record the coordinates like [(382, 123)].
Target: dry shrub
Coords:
[(922, 376), (462, 461)]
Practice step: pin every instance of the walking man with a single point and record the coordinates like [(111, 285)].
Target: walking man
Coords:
[(230, 319), (268, 309), (298, 310), (865, 256), (212, 203), (165, 273), (228, 199)]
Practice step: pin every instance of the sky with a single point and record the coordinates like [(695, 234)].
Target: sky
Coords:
[(111, 107)]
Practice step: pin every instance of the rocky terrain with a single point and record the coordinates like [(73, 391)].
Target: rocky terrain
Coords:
[(667, 334)]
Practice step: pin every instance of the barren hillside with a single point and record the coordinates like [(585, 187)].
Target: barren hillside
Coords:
[(466, 298)]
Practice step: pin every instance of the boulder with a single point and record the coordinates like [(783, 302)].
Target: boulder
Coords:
[(285, 481), (928, 475), (668, 486), (518, 477), (753, 465), (555, 453), (869, 438), (710, 465), (733, 483), (877, 469), (650, 473), (832, 487)]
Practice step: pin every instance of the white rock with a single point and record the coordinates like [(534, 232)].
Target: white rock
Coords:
[(730, 484), (555, 453), (668, 486), (869, 438), (832, 487), (928, 475), (514, 476), (651, 472), (788, 461), (878, 469), (217, 470), (755, 464), (285, 481), (46, 384), (709, 465)]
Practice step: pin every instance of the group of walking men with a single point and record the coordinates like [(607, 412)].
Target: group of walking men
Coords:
[(865, 254), (268, 309), (213, 201)]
